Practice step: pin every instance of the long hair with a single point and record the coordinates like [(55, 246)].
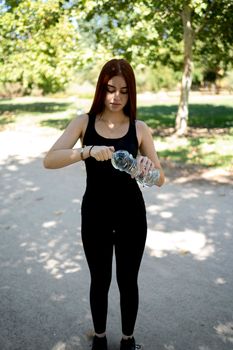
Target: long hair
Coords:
[(110, 69)]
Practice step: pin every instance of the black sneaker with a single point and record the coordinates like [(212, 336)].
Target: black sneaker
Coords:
[(99, 343), (129, 344)]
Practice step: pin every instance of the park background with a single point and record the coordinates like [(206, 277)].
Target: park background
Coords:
[(50, 55), (181, 51)]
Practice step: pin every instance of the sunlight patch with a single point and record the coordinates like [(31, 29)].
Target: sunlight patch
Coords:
[(166, 214), (183, 242), (76, 200), (169, 347), (49, 224), (152, 209), (59, 346), (220, 280), (12, 167), (225, 331), (57, 297)]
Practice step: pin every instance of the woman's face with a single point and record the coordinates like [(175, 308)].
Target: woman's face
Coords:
[(117, 94)]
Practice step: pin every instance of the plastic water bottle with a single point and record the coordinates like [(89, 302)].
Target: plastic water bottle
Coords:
[(124, 161)]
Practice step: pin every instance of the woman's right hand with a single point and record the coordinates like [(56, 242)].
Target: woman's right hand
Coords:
[(101, 153)]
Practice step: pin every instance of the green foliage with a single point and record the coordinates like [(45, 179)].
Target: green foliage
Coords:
[(147, 78), (45, 43), (151, 32), (156, 79), (214, 34), (134, 30), (227, 81), (38, 46)]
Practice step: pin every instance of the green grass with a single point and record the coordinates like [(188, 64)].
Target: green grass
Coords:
[(32, 107), (210, 140), (56, 123), (211, 148), (214, 151), (200, 116), (51, 113)]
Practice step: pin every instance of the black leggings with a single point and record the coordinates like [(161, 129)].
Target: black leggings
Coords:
[(100, 240)]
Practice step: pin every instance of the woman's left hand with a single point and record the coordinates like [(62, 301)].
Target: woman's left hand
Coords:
[(144, 164)]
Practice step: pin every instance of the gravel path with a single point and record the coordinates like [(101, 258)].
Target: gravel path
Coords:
[(186, 279)]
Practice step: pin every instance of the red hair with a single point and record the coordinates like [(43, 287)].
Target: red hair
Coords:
[(110, 69)]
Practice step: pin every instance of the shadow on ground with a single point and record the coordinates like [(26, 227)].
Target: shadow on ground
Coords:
[(185, 280)]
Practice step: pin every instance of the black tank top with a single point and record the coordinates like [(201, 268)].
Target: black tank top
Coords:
[(102, 178)]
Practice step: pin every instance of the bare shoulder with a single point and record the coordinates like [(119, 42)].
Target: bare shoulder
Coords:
[(80, 120), (72, 133), (141, 126), (142, 130), (83, 117), (79, 124)]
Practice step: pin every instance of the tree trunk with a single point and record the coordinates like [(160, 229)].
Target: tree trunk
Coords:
[(183, 111)]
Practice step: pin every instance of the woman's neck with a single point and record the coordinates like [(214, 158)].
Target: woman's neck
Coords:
[(110, 117), (112, 125)]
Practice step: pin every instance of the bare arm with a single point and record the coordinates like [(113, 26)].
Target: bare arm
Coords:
[(62, 153), (148, 158)]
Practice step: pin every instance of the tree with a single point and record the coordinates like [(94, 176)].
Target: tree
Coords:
[(203, 21), (38, 45), (160, 31)]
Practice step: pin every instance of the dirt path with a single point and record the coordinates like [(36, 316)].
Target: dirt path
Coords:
[(186, 279)]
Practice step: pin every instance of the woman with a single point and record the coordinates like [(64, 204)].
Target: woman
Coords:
[(113, 210)]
